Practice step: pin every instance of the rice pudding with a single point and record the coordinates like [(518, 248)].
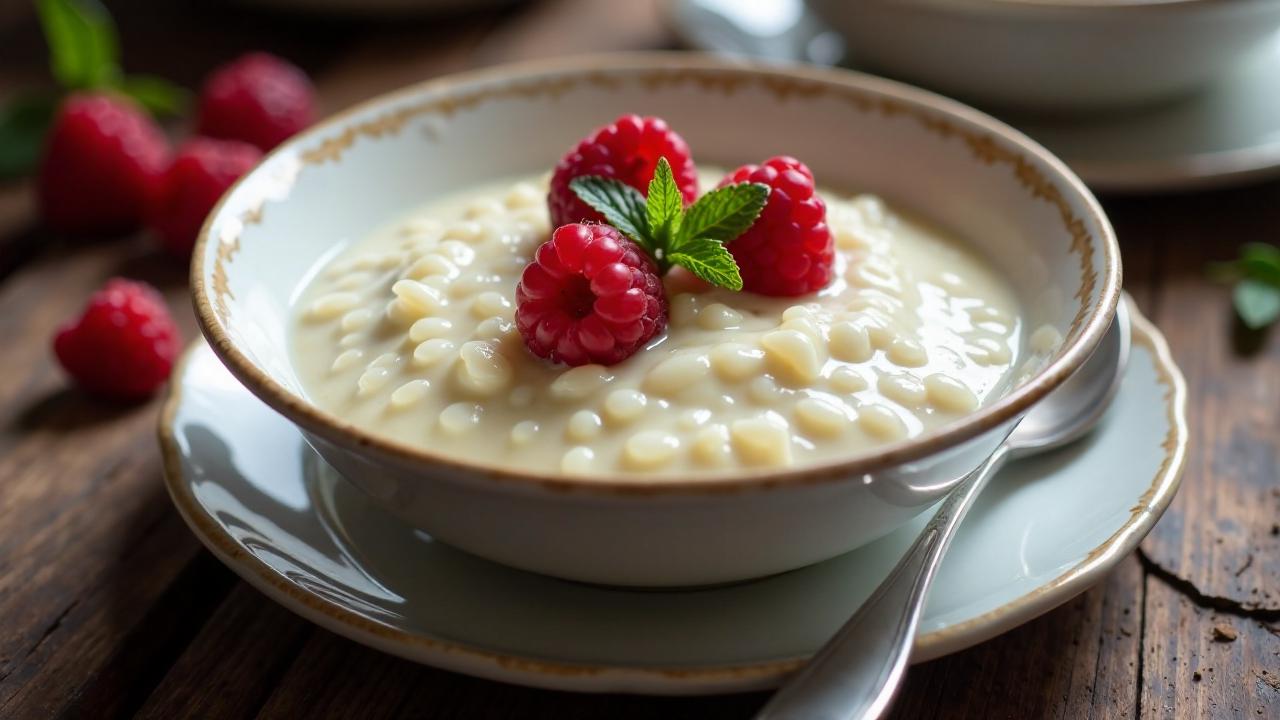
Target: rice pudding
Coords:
[(409, 332)]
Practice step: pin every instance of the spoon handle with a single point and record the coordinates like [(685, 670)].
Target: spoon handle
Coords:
[(856, 674)]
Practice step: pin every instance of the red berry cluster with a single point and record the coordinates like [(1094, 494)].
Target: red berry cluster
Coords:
[(566, 308), (108, 169)]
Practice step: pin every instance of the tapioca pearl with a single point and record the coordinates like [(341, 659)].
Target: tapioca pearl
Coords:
[(650, 449), (735, 362), (821, 418), (431, 265), (905, 352), (874, 300), (989, 351), (797, 312), (373, 379), (387, 360), (431, 352), (880, 422), (718, 316), (949, 394), (1044, 340), (845, 379), (879, 330), (806, 326), (850, 342), (711, 447), (684, 309), (793, 355), (764, 390), (422, 227), (409, 394), (484, 209), (521, 396), (580, 382), (676, 373), (496, 329), (351, 340), (693, 418), (390, 260), (903, 388), (523, 195), (467, 231), (483, 370), (429, 327), (871, 208), (476, 284), (339, 269), (328, 307), (356, 319), (488, 304), (460, 418), (419, 298), (353, 281), (583, 425), (524, 432), (347, 359), (762, 441), (849, 238), (577, 460), (457, 252), (365, 262), (624, 406), (871, 276)]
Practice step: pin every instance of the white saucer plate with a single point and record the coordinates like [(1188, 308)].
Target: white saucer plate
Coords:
[(261, 500), (1226, 134)]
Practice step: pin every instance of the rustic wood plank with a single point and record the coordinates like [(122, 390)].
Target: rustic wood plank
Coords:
[(1218, 534), (1190, 668), (233, 664)]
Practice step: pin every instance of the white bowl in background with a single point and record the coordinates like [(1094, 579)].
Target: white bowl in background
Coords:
[(1054, 55), (1006, 196)]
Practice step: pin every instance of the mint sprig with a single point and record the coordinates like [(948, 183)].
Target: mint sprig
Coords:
[(84, 54), (659, 223), (1256, 275)]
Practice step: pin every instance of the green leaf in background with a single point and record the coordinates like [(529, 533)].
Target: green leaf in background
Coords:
[(622, 205), (724, 213), (83, 50), (710, 260), (664, 204), (159, 96), (23, 123), (1257, 302), (1261, 262)]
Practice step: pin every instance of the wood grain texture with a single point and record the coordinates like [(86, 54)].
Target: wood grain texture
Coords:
[(109, 607)]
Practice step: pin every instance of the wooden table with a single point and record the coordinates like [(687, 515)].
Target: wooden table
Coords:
[(109, 606)]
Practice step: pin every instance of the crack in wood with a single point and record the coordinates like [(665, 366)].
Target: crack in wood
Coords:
[(1212, 602)]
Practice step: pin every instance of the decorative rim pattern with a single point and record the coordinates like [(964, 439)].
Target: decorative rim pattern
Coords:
[(936, 114), (451, 655)]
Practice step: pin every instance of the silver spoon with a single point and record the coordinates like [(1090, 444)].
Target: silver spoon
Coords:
[(856, 674)]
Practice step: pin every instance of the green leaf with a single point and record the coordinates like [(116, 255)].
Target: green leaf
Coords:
[(724, 213), (1261, 262), (622, 205), (159, 96), (83, 49), (23, 123), (665, 205), (710, 260), (1257, 303)]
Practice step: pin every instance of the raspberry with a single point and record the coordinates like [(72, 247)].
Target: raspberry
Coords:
[(123, 345), (259, 99), (202, 171), (589, 296), (102, 163), (628, 150), (789, 250)]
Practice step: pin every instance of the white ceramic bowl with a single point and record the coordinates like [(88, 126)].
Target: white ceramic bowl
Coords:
[(1007, 196), (1054, 55)]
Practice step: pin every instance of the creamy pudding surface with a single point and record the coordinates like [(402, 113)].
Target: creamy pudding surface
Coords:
[(409, 333)]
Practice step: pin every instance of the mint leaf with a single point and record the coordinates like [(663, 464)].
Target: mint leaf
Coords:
[(83, 50), (159, 96), (1257, 302), (709, 260), (665, 205), (1261, 262), (724, 213), (622, 205), (23, 123)]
